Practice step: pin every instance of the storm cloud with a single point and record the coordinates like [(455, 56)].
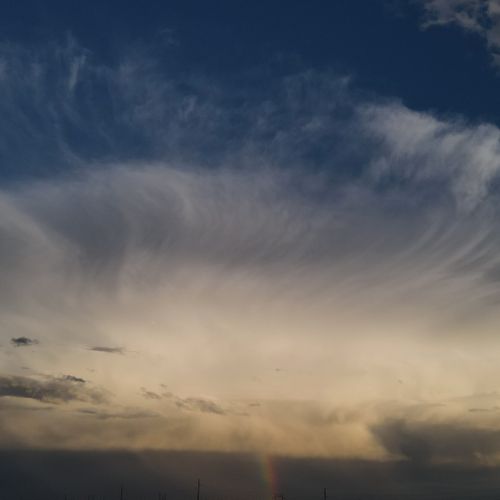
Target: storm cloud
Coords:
[(426, 442)]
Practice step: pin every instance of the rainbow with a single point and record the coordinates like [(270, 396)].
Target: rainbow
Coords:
[(269, 474)]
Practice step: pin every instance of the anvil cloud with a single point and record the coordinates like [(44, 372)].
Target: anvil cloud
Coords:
[(250, 295)]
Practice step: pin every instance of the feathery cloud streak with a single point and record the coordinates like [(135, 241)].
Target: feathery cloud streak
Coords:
[(476, 16), (349, 241)]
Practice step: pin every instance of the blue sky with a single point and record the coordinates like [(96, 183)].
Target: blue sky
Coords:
[(388, 50), (380, 42)]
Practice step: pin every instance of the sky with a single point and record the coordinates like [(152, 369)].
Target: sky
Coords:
[(259, 237)]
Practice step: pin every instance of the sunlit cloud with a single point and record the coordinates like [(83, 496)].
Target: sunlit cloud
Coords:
[(234, 289)]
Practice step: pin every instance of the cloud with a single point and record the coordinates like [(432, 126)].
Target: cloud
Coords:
[(109, 350), (194, 404), (72, 378), (62, 110), (200, 404), (477, 16), (23, 341), (425, 442), (469, 14), (51, 390), (420, 148), (127, 414), (349, 241), (241, 271), (149, 394)]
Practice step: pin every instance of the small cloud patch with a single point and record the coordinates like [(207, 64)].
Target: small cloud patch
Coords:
[(23, 341), (50, 390), (109, 350), (149, 394), (200, 405), (72, 378)]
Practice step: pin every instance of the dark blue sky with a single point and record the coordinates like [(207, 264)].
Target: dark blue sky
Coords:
[(379, 42)]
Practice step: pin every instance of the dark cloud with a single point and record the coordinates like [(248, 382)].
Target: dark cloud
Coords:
[(110, 350), (51, 390), (23, 341), (426, 442), (72, 378)]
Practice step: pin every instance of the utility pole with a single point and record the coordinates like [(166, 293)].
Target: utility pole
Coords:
[(121, 492), (324, 494), (198, 493)]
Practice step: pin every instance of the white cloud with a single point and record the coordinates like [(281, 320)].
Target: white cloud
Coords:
[(420, 147)]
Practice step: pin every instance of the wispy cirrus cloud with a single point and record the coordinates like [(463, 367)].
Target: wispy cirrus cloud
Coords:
[(477, 16), (350, 241), (420, 148)]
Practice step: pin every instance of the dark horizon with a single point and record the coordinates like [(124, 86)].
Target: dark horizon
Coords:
[(83, 475)]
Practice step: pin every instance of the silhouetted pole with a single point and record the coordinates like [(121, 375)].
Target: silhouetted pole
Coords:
[(198, 493), (121, 492), (324, 494)]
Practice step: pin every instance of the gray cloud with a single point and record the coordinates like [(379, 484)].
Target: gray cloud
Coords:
[(23, 341), (274, 226), (429, 441), (72, 378), (200, 405), (52, 390), (150, 394), (195, 404), (109, 350)]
